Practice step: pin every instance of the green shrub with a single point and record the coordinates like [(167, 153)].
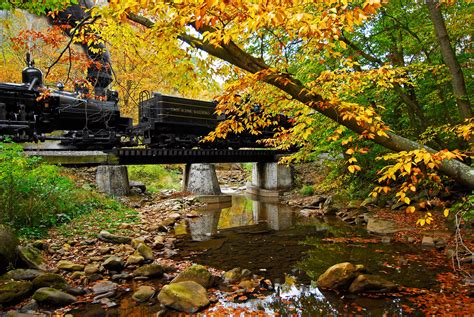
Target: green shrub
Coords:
[(156, 177), (307, 190), (35, 196)]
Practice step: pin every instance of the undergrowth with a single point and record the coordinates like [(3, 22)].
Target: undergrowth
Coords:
[(156, 177), (35, 196)]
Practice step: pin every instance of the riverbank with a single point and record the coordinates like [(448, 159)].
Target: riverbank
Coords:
[(284, 249)]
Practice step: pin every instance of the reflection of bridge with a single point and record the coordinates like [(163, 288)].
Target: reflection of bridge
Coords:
[(259, 215)]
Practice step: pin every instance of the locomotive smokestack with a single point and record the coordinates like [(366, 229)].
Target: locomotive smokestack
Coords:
[(31, 75)]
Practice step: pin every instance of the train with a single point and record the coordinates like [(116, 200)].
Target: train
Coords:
[(31, 113)]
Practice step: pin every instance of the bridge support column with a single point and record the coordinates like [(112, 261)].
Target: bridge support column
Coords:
[(113, 180), (201, 179), (270, 179)]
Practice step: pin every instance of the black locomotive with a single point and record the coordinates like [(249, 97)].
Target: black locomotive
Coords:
[(29, 112)]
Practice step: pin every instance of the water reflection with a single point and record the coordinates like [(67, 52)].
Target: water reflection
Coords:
[(243, 213)]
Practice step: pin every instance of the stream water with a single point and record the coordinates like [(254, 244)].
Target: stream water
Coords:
[(273, 241)]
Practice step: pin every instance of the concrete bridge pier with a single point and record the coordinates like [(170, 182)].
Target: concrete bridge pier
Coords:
[(270, 179), (201, 179), (113, 180)]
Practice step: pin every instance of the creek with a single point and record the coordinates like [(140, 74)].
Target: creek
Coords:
[(275, 242)]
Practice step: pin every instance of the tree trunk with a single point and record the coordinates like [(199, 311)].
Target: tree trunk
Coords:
[(449, 57), (234, 55)]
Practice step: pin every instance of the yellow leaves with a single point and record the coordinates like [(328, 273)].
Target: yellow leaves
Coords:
[(350, 151), (428, 218), (352, 160), (410, 209), (353, 168), (407, 167), (421, 222), (446, 212)]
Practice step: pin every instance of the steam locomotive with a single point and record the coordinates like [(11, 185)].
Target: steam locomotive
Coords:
[(30, 113)]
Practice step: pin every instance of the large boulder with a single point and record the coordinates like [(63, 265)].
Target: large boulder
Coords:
[(149, 270), (15, 291), (195, 273), (53, 297), (338, 276), (187, 296), (22, 274), (32, 257), (7, 249), (371, 283)]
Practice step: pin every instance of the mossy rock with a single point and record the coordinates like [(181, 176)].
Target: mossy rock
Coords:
[(195, 273), (339, 276), (50, 280), (21, 274), (53, 297), (187, 296), (32, 257), (8, 249), (15, 291), (143, 294), (237, 275), (149, 270)]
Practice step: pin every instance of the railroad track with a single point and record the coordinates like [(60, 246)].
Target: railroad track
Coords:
[(138, 156)]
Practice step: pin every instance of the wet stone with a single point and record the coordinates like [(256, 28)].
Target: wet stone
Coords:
[(195, 273), (236, 275), (143, 294), (104, 287), (371, 283), (187, 296), (338, 276)]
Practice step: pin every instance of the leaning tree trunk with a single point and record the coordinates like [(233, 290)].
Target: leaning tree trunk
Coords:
[(234, 55), (449, 57)]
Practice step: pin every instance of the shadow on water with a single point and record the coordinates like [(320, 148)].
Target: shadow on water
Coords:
[(272, 241)]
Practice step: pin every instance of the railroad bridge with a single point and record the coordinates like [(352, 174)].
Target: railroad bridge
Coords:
[(268, 178)]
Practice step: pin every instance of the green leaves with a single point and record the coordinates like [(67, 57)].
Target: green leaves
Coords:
[(36, 6)]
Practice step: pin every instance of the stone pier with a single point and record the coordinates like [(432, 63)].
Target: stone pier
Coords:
[(270, 179), (201, 179), (113, 180)]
